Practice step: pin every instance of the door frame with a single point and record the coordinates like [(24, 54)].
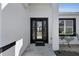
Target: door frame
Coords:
[(35, 18)]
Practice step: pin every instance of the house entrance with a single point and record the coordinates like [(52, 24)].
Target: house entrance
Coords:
[(39, 31)]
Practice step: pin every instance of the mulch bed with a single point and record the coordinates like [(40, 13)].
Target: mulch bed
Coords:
[(66, 53)]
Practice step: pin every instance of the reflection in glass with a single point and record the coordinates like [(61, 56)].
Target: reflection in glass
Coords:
[(69, 27), (44, 30), (39, 30), (65, 27), (33, 29), (61, 27)]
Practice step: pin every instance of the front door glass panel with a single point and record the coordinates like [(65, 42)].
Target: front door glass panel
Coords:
[(33, 29), (39, 29)]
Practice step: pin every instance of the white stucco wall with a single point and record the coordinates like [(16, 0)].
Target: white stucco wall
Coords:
[(26, 36), (55, 31), (14, 25), (0, 24), (50, 11), (71, 15)]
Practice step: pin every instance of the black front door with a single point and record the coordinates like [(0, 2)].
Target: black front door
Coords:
[(39, 30)]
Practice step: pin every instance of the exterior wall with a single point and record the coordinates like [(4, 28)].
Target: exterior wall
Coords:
[(71, 15), (26, 36), (14, 26), (0, 24), (55, 31), (50, 11)]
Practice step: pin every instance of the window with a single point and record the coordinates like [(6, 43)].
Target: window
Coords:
[(67, 26)]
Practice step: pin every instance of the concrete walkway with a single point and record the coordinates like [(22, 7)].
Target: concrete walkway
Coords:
[(39, 51)]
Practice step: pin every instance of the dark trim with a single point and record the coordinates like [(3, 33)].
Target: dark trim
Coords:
[(38, 19), (4, 48), (74, 25)]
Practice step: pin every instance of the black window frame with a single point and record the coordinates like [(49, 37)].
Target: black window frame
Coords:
[(74, 26)]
